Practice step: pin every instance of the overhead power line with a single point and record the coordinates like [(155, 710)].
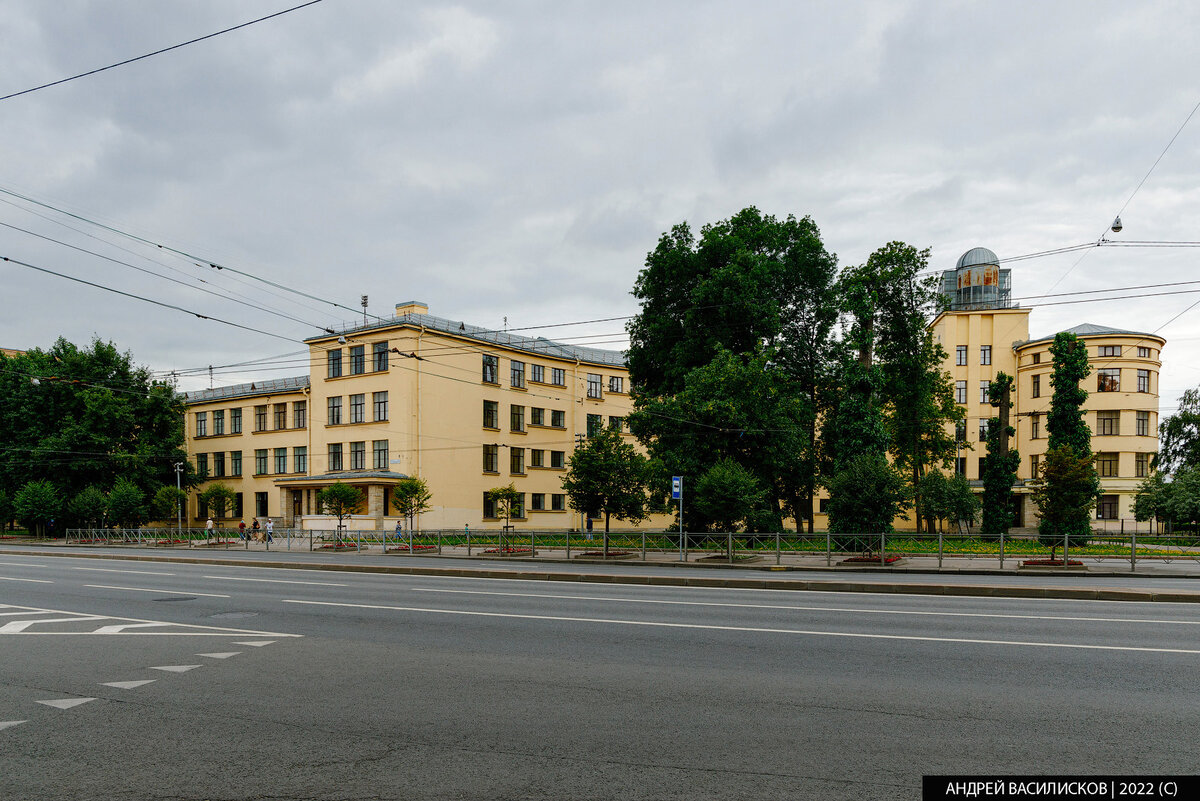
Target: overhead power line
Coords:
[(161, 50)]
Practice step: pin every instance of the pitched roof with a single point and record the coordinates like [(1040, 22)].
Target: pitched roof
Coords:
[(1093, 330), (268, 387)]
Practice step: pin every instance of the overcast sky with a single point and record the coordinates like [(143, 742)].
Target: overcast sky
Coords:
[(519, 159)]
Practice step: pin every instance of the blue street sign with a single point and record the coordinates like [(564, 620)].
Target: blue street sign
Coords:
[(676, 487)]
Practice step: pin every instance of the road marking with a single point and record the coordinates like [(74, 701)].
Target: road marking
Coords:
[(755, 629), (259, 643), (66, 703), (8, 724), (160, 591), (127, 685), (848, 609), (23, 564), (17, 626), (14, 614), (224, 655), (110, 570), (176, 668), (277, 581), (176, 629), (35, 581), (120, 628)]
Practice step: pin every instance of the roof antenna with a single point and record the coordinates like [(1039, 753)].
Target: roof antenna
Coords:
[(506, 323), (364, 305), (210, 377)]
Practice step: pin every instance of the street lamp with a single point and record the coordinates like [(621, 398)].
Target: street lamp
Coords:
[(178, 507)]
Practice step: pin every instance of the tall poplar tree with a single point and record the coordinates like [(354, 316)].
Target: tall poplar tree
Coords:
[(1001, 462)]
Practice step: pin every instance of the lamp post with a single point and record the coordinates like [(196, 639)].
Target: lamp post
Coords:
[(178, 507)]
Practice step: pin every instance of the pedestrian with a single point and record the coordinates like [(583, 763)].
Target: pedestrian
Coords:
[(255, 528), (270, 530), (399, 531), (208, 529), (589, 528), (242, 530)]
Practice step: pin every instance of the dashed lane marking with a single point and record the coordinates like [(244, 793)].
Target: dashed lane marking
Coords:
[(18, 626), (160, 591), (127, 685), (33, 581), (8, 724), (277, 581), (260, 643), (224, 655), (59, 622), (66, 703), (176, 668), (111, 570)]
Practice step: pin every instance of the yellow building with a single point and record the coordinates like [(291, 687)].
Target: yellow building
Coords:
[(466, 408), (983, 334)]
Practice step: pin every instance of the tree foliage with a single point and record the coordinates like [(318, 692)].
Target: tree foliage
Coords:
[(1153, 498), (999, 465), (729, 496), (167, 503), (1179, 435), (127, 504), (1063, 487), (36, 504), (411, 497), (507, 501), (218, 498), (89, 507), (607, 476), (341, 501), (866, 496)]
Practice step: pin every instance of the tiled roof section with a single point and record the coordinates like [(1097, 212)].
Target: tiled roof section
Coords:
[(538, 346), (1092, 330), (255, 388)]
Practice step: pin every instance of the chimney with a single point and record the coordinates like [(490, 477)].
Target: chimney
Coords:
[(411, 307)]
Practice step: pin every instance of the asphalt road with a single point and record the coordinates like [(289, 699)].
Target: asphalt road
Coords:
[(296, 684)]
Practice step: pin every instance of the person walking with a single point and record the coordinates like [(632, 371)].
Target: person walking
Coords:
[(242, 530), (255, 528), (270, 530), (208, 529)]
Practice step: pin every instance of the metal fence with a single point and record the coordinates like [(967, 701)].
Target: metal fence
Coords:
[(783, 548)]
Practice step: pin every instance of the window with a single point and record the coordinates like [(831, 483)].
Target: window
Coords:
[(1037, 357), (558, 376), (379, 454), (517, 373), (537, 502), (1143, 353), (594, 383), (537, 458), (358, 408), (1106, 465), (334, 417), (300, 414), (491, 366), (260, 418), (981, 463), (616, 383), (985, 354), (983, 429), (379, 402), (558, 418), (1143, 378), (1106, 507), (280, 416), (491, 414), (516, 417), (1034, 465), (358, 360), (201, 424), (595, 424), (537, 373), (202, 464), (491, 458), (1143, 424), (1108, 423), (489, 506), (235, 463), (557, 458), (235, 421), (960, 431), (1108, 379), (1110, 350), (260, 504), (379, 357), (537, 417), (358, 456), (616, 423), (1037, 386), (518, 506), (281, 460), (218, 422), (334, 363), (823, 506), (960, 467), (237, 504), (1141, 465), (300, 459), (516, 460), (558, 502), (960, 391), (1035, 426), (260, 462), (218, 465), (960, 355), (335, 456), (983, 391)]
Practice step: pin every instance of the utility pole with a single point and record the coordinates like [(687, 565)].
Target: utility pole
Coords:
[(178, 506)]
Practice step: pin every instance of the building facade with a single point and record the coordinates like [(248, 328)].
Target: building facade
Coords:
[(465, 408)]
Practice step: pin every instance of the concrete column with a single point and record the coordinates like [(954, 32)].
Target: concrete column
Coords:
[(375, 504), (285, 508)]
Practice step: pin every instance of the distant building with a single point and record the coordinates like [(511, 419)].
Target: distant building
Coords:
[(11, 352)]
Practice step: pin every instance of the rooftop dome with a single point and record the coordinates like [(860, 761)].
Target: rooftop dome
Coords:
[(976, 257)]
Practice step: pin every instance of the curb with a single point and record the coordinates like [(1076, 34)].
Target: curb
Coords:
[(752, 583)]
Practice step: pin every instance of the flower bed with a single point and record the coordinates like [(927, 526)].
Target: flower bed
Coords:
[(601, 555), (1051, 563), (169, 542), (412, 548), (870, 560), (341, 546), (508, 551)]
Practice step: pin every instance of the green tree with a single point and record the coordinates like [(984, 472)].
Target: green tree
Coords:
[(167, 503), (217, 498), (126, 503), (1182, 502), (1066, 428), (866, 496), (1000, 464), (1153, 498), (78, 417), (89, 507), (1179, 435), (339, 500), (36, 505), (961, 503), (934, 489), (411, 497), (1065, 495), (7, 512), (729, 495), (607, 476), (507, 502)]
